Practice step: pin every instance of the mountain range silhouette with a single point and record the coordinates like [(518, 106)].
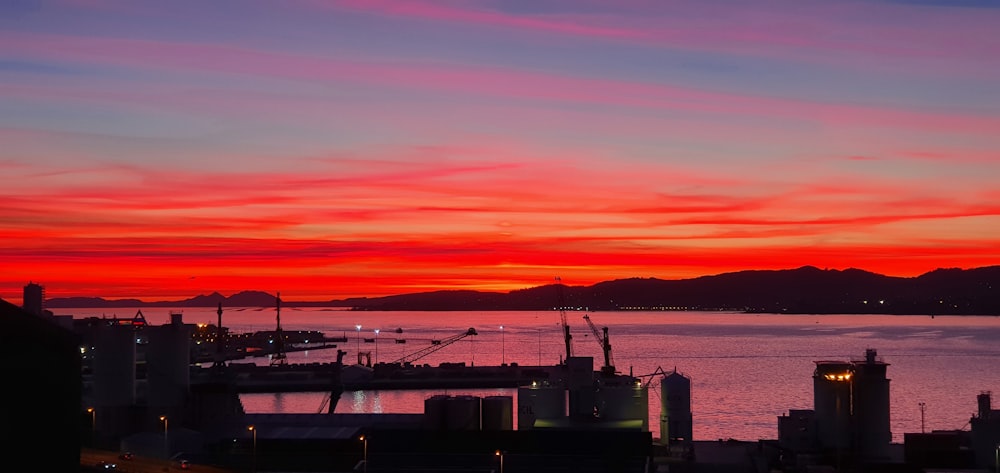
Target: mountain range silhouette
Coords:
[(802, 290)]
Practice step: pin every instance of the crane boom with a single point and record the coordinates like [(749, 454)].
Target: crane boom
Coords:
[(605, 342), (562, 318), (435, 346)]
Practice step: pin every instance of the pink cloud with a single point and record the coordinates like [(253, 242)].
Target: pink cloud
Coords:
[(494, 82), (815, 32), (440, 11)]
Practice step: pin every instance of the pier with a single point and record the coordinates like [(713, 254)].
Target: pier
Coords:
[(320, 377)]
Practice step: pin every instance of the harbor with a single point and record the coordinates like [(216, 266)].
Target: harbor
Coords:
[(576, 392), (464, 390)]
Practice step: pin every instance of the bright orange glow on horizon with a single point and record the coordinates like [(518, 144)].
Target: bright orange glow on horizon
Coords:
[(342, 149)]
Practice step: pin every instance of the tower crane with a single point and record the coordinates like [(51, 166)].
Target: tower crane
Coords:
[(435, 346), (609, 365), (562, 318)]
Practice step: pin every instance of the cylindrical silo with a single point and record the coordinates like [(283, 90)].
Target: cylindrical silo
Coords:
[(539, 402), (463, 413), (168, 364), (627, 401), (871, 408), (676, 424), (114, 366), (498, 413), (435, 409), (832, 403)]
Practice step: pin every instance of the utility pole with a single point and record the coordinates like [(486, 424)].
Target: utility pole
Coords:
[(923, 407)]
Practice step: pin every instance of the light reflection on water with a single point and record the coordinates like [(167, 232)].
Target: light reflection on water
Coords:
[(746, 369)]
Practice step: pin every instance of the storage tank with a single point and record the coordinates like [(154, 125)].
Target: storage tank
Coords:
[(498, 413), (832, 403), (626, 401), (539, 402), (114, 366), (168, 360), (463, 413), (871, 407), (676, 425), (435, 409)]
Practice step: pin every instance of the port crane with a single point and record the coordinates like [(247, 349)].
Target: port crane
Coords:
[(435, 346), (562, 318), (609, 365)]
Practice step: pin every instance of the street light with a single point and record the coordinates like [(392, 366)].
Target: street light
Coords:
[(358, 326), (93, 423), (253, 430), (499, 454), (166, 443), (376, 345), (503, 353), (365, 457)]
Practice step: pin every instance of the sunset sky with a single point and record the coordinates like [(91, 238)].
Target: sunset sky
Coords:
[(330, 149)]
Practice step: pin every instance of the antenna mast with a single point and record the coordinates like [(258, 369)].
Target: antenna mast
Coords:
[(278, 358), (220, 358), (562, 318)]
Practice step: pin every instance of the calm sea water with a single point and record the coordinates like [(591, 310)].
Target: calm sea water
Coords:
[(746, 369)]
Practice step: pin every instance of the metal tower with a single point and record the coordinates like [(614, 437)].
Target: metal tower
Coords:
[(278, 358)]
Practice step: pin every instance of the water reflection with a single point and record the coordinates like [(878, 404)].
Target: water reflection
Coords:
[(358, 406), (746, 369)]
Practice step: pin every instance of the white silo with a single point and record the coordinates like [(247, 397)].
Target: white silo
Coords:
[(498, 413), (114, 366), (168, 363), (676, 425), (539, 402)]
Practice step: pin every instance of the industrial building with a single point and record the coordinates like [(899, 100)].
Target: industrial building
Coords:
[(849, 422), (985, 426), (973, 450), (562, 418), (140, 395), (852, 408), (584, 399)]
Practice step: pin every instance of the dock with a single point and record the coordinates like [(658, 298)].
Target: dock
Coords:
[(322, 377)]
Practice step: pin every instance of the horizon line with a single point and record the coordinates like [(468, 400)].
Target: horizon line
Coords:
[(313, 300)]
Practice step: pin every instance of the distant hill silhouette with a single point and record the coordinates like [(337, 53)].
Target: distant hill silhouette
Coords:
[(803, 290), (241, 299)]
